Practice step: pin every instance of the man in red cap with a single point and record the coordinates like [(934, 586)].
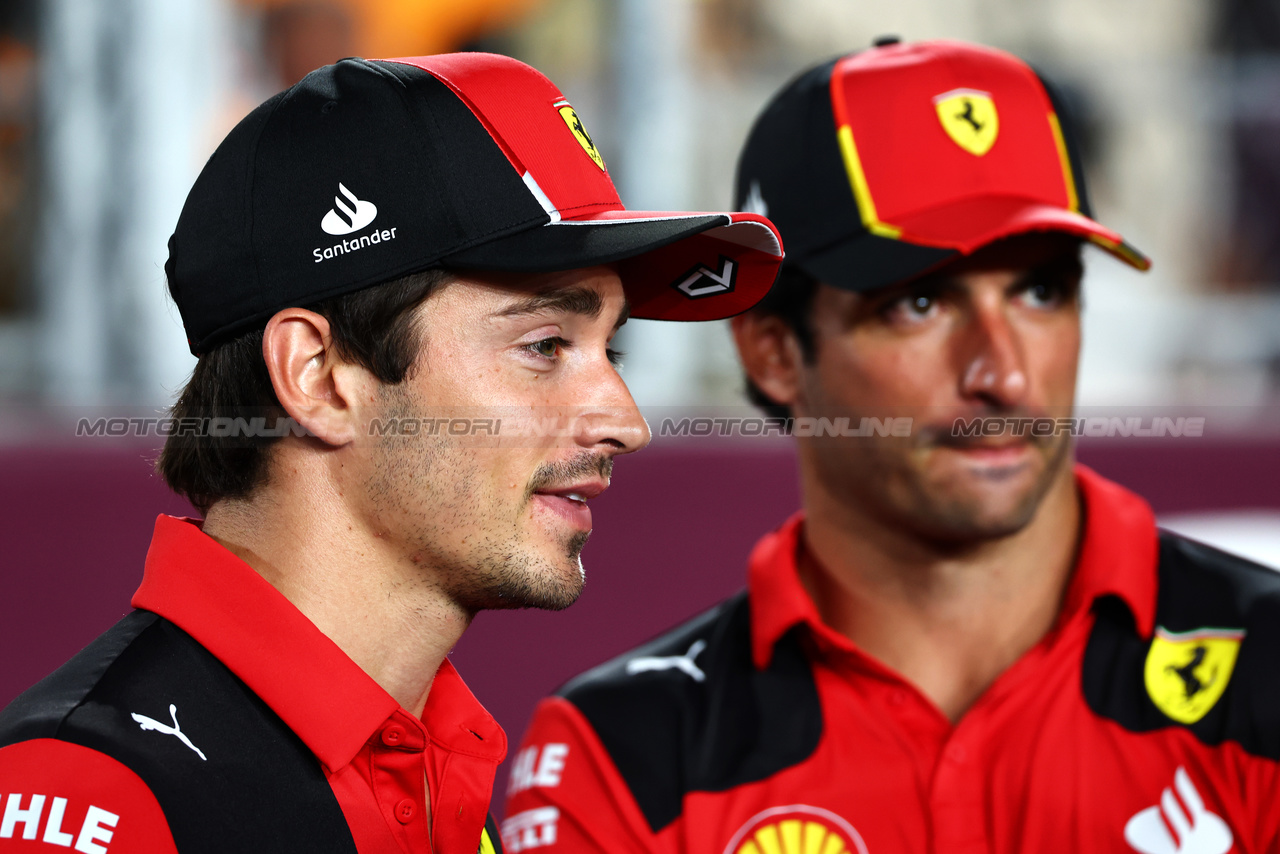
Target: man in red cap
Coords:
[(963, 642), (401, 278)]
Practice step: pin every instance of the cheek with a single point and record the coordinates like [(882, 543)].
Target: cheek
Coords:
[(1055, 359), (886, 376), (477, 381)]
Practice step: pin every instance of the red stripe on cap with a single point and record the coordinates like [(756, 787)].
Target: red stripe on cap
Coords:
[(519, 107)]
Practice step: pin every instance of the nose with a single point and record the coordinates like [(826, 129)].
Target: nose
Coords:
[(612, 422), (994, 369)]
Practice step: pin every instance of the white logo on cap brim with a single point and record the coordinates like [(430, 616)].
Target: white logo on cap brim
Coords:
[(349, 214), (702, 281)]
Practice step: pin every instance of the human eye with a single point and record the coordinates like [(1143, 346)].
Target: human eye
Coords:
[(1049, 292), (911, 308), (547, 348)]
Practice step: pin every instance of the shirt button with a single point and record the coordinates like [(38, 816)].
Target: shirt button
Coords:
[(405, 811), (393, 736)]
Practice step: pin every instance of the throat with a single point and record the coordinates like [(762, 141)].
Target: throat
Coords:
[(950, 626)]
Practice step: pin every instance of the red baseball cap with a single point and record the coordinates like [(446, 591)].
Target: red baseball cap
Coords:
[(368, 170), (883, 164)]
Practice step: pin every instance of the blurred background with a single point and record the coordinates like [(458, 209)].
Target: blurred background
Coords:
[(108, 109)]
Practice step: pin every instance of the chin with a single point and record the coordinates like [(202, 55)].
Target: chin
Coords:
[(549, 579), (962, 525), (974, 509)]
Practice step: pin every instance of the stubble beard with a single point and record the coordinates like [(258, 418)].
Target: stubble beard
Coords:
[(515, 580), (898, 492), (497, 568)]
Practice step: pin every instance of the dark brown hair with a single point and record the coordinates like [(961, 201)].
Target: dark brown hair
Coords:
[(224, 422)]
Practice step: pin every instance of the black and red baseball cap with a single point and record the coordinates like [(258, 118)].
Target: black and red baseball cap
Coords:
[(368, 170), (883, 164)]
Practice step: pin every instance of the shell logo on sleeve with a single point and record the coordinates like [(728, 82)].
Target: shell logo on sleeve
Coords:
[(796, 829)]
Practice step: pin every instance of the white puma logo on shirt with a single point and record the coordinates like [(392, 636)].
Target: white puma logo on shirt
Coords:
[(176, 731), (667, 662)]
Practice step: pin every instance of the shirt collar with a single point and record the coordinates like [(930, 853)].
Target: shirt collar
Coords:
[(306, 679), (1119, 552), (1117, 556)]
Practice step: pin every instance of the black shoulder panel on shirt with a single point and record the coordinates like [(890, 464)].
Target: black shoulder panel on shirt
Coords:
[(257, 787), (1200, 587), (689, 712), (495, 838)]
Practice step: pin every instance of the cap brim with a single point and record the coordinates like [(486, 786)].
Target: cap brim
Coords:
[(933, 237), (674, 266), (969, 225)]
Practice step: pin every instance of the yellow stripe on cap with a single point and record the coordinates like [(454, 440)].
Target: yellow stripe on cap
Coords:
[(1123, 251), (861, 192), (1068, 177)]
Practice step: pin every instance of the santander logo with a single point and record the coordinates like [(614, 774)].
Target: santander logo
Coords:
[(349, 214)]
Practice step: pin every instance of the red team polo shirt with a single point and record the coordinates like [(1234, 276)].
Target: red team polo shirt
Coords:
[(1147, 719), (380, 761)]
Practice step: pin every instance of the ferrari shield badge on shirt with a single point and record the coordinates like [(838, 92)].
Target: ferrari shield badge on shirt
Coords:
[(969, 117), (1186, 672)]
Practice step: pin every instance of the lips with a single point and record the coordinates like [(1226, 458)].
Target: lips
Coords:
[(570, 502), (581, 492)]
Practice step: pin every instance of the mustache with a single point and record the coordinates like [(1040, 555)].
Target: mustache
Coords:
[(566, 472)]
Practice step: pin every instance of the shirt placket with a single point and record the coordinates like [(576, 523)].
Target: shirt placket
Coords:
[(947, 757), (956, 796), (399, 781)]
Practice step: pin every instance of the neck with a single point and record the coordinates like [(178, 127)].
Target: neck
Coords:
[(380, 608), (950, 620)]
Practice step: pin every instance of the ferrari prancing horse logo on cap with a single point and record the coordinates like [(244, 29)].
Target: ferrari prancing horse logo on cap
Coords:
[(579, 132), (969, 117)]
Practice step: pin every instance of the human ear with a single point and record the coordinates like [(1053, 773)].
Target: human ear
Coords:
[(770, 355), (314, 385)]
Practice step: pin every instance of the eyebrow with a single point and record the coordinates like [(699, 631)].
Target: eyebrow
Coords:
[(582, 301), (1068, 264)]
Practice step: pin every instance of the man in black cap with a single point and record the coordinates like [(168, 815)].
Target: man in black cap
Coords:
[(963, 642), (396, 274)]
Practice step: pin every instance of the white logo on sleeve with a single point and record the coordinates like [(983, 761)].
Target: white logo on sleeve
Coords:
[(349, 213), (147, 723), (1198, 831), (683, 663), (538, 766), (96, 827), (534, 828)]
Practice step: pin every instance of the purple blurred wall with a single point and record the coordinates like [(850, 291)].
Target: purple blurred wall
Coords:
[(671, 539)]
